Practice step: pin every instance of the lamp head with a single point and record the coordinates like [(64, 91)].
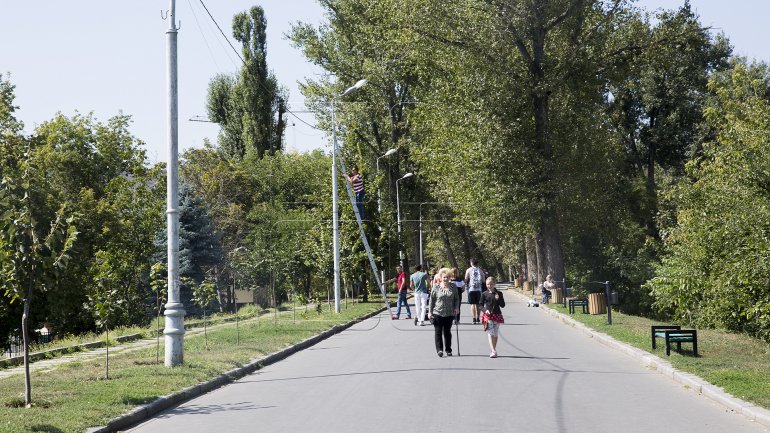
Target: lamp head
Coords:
[(390, 152), (410, 174), (354, 87)]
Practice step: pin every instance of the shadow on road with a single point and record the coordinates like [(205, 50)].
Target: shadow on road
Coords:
[(193, 409)]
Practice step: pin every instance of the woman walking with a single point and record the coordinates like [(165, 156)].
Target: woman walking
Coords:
[(444, 305), (491, 303)]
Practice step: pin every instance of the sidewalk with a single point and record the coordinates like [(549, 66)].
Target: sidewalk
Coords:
[(653, 362), (87, 355)]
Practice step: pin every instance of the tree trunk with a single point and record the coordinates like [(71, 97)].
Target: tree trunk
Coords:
[(365, 288), (554, 256), (467, 248), (530, 272), (475, 250), (499, 269), (416, 243), (25, 336), (447, 244), (107, 357), (651, 189), (540, 255)]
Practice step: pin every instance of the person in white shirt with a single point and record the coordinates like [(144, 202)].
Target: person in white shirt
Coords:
[(473, 279)]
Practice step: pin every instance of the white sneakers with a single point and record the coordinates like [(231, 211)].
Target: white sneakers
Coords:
[(493, 354)]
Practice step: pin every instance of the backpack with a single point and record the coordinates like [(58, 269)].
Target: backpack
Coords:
[(475, 280)]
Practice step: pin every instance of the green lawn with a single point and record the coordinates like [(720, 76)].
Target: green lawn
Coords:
[(76, 395), (737, 363)]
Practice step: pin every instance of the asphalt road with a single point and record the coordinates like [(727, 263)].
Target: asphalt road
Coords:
[(384, 376)]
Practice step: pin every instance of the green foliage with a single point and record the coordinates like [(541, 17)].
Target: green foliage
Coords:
[(715, 273), (204, 294), (246, 106), (105, 300), (33, 253)]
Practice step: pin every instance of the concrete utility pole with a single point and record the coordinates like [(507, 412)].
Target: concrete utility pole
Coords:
[(335, 215), (335, 195), (174, 330)]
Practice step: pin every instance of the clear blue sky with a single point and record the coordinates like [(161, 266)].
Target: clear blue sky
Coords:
[(108, 56)]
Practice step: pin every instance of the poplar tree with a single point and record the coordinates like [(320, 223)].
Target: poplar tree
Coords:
[(249, 106)]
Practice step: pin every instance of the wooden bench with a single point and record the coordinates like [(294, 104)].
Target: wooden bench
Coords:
[(674, 334), (578, 303)]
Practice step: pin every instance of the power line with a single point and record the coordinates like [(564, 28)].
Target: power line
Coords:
[(205, 41), (244, 63), (300, 119), (223, 33)]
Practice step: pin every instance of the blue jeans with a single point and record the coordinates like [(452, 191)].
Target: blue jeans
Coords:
[(546, 296), (402, 300), (360, 204)]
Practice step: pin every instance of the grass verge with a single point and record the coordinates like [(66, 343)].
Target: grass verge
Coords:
[(76, 395), (738, 363)]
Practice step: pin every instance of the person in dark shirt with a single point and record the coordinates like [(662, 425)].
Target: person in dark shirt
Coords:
[(491, 303)]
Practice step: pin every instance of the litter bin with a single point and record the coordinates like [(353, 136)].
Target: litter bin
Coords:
[(614, 298), (557, 296), (597, 304)]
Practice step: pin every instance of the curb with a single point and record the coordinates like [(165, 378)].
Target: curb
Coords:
[(142, 413), (687, 380)]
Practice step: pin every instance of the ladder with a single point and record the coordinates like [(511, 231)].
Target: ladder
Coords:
[(363, 235)]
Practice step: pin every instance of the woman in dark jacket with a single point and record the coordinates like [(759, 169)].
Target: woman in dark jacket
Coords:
[(491, 303)]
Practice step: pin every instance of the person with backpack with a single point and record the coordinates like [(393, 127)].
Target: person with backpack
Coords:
[(473, 279)]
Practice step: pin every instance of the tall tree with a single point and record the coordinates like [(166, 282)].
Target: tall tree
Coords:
[(249, 107), (715, 272), (658, 98), (200, 248), (34, 251), (359, 42)]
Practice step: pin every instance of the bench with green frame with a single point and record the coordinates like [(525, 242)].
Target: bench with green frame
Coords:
[(578, 303), (674, 334)]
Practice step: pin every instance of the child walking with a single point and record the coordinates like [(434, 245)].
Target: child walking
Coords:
[(491, 303)]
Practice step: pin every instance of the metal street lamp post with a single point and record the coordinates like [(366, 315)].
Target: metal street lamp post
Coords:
[(398, 216), (335, 197), (379, 197)]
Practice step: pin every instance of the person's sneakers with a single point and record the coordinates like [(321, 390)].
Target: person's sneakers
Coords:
[(415, 321), (394, 317), (422, 323), (493, 354), (440, 354), (448, 353), (408, 317)]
